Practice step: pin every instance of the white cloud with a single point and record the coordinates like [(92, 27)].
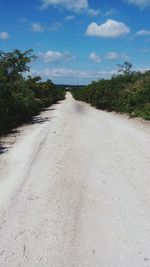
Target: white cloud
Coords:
[(93, 12), (110, 28), (75, 5), (69, 18), (72, 73), (109, 55), (142, 33), (54, 27), (112, 55), (55, 56), (94, 57), (145, 50), (110, 12), (22, 20), (4, 36), (37, 27), (139, 3)]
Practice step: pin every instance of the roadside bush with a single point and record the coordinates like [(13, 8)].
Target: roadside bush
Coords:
[(20, 97), (128, 93)]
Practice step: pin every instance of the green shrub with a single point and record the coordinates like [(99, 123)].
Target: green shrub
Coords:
[(128, 93), (20, 97)]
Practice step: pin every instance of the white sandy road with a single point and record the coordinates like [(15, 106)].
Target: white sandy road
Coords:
[(75, 191)]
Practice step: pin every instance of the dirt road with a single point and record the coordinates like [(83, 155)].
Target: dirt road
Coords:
[(75, 191)]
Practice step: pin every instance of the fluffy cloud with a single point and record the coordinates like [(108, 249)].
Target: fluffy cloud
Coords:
[(37, 27), (94, 57), (4, 36), (143, 33), (140, 3), (75, 5), (112, 55), (93, 12), (69, 18), (109, 55), (145, 50), (22, 20), (54, 27), (55, 56), (72, 73), (110, 12), (110, 28)]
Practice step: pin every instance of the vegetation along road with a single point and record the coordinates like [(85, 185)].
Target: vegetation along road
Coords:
[(75, 190)]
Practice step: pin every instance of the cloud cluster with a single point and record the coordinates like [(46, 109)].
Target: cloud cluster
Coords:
[(109, 56), (75, 5), (94, 57), (37, 27), (55, 56), (93, 12), (72, 5), (4, 36), (69, 18), (110, 12), (139, 3), (72, 73), (145, 50), (112, 55), (110, 28), (143, 33)]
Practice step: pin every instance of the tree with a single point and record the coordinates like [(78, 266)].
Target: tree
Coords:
[(13, 64), (125, 68), (21, 97)]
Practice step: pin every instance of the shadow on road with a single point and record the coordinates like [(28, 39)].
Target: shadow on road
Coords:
[(9, 139), (14, 132), (3, 149), (79, 108), (50, 108), (39, 120)]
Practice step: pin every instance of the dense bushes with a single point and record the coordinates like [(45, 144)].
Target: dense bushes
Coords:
[(20, 97), (129, 93)]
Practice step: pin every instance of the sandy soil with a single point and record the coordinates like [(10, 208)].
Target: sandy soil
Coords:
[(75, 191)]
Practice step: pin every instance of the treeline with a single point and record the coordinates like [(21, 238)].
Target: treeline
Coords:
[(128, 92), (22, 97)]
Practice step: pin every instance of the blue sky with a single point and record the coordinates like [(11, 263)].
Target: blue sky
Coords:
[(77, 41)]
